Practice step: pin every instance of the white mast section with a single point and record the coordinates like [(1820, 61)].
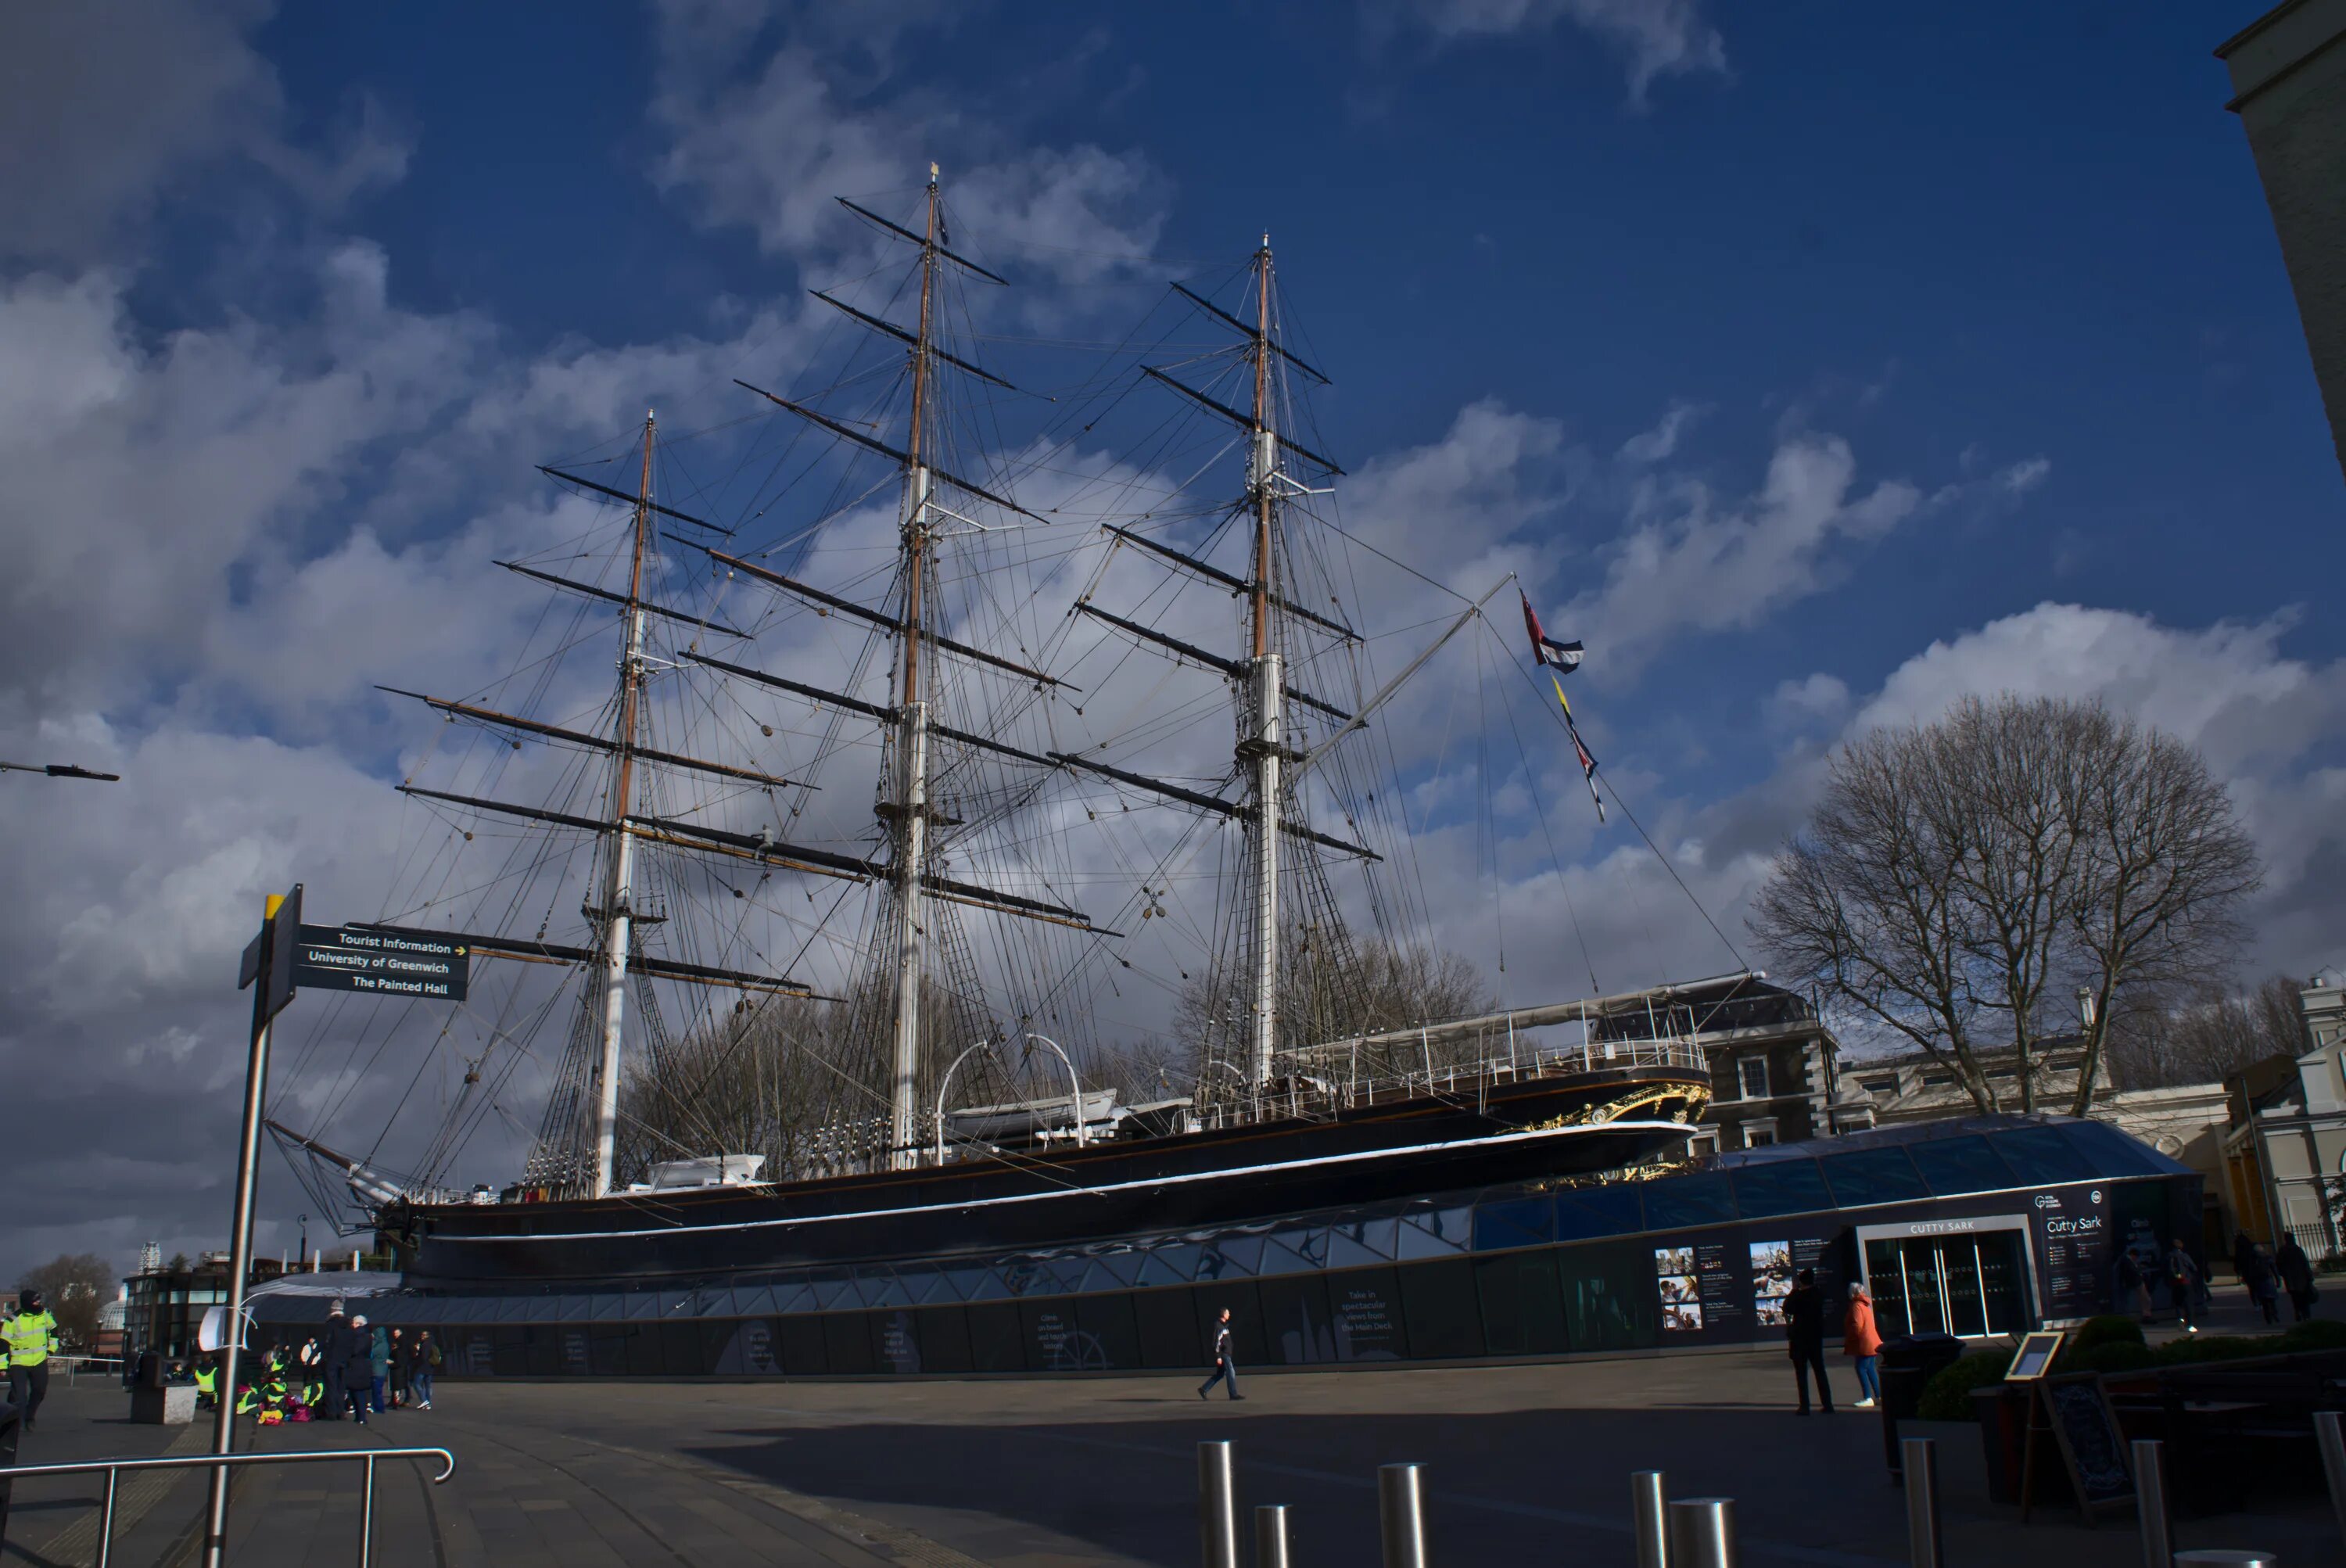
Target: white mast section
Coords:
[(912, 804), (618, 916), (1262, 745)]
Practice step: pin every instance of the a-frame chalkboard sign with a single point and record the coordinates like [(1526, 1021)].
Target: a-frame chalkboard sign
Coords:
[(2075, 1408)]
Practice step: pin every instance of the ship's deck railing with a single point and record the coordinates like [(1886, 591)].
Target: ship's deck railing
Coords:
[(1336, 1082)]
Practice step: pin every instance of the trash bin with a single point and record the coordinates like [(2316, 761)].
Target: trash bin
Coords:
[(1908, 1362)]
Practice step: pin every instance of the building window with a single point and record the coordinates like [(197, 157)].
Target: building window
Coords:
[(1757, 1134), (1752, 1074), (1938, 1080), (1880, 1085)]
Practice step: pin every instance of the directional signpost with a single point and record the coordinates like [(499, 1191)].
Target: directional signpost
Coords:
[(382, 961), (287, 955)]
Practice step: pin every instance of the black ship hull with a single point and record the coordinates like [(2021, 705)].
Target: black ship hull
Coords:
[(1487, 1133)]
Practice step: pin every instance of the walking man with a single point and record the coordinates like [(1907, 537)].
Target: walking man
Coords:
[(2182, 1279), (1225, 1366), (1804, 1309), (2296, 1272), (29, 1339), (426, 1360)]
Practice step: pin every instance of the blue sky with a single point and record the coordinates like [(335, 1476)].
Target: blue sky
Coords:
[(1818, 365)]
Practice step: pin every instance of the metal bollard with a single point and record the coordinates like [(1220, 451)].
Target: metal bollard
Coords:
[(2226, 1557), (1924, 1544), (1702, 1533), (1270, 1536), (2155, 1518), (1401, 1514), (1218, 1507), (1649, 1497), (2330, 1427), (366, 1515)]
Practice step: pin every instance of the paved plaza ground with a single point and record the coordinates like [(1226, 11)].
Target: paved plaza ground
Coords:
[(1526, 1463)]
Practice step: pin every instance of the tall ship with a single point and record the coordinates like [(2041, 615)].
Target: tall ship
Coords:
[(930, 819)]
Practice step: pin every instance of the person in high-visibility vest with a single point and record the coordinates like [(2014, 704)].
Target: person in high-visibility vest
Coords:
[(28, 1339)]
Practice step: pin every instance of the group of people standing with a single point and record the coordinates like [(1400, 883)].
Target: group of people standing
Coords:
[(369, 1369)]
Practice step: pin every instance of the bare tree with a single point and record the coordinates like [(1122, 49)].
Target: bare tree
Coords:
[(2204, 1037), (76, 1285), (1959, 878)]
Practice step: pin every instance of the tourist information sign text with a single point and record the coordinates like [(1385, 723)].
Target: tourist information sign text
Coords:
[(382, 961)]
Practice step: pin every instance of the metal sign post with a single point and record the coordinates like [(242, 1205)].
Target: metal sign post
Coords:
[(269, 970)]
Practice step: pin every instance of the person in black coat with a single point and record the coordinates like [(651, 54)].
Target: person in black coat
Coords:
[(2296, 1272), (350, 1350), (1804, 1312), (332, 1354)]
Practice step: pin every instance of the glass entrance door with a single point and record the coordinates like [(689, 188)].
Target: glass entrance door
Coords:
[(1970, 1285)]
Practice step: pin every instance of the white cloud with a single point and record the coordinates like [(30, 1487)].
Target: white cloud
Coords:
[(1687, 563), (769, 143), (112, 103), (1660, 37)]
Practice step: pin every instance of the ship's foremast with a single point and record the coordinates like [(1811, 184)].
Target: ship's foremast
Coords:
[(618, 889), (912, 794), (1263, 745)]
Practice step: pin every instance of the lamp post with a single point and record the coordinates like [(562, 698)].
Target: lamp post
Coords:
[(305, 1238), (2086, 1009)]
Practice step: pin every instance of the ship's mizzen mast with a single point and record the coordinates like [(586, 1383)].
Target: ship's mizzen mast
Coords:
[(1262, 745), (618, 916), (912, 802)]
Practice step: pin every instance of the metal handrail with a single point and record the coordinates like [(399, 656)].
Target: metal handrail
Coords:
[(115, 1467)]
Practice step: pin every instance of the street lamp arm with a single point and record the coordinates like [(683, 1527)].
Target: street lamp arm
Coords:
[(1076, 1104), (942, 1086)]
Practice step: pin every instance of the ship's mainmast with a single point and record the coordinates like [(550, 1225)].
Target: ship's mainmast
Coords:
[(1262, 745), (618, 890), (910, 805)]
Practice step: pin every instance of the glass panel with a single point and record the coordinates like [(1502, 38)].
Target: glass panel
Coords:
[(2041, 1154), (643, 1305), (1872, 1175), (1362, 1241), (1027, 1277), (1232, 1257), (1597, 1211), (1307, 1242), (835, 1290), (793, 1299), (1435, 1233), (1918, 1261), (1168, 1265), (1523, 1222), (879, 1287), (922, 1283), (990, 1286), (1958, 1265), (1886, 1283), (961, 1283), (1123, 1267), (1781, 1187), (1700, 1199), (1962, 1165), (2112, 1153), (2003, 1283), (1281, 1260)]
